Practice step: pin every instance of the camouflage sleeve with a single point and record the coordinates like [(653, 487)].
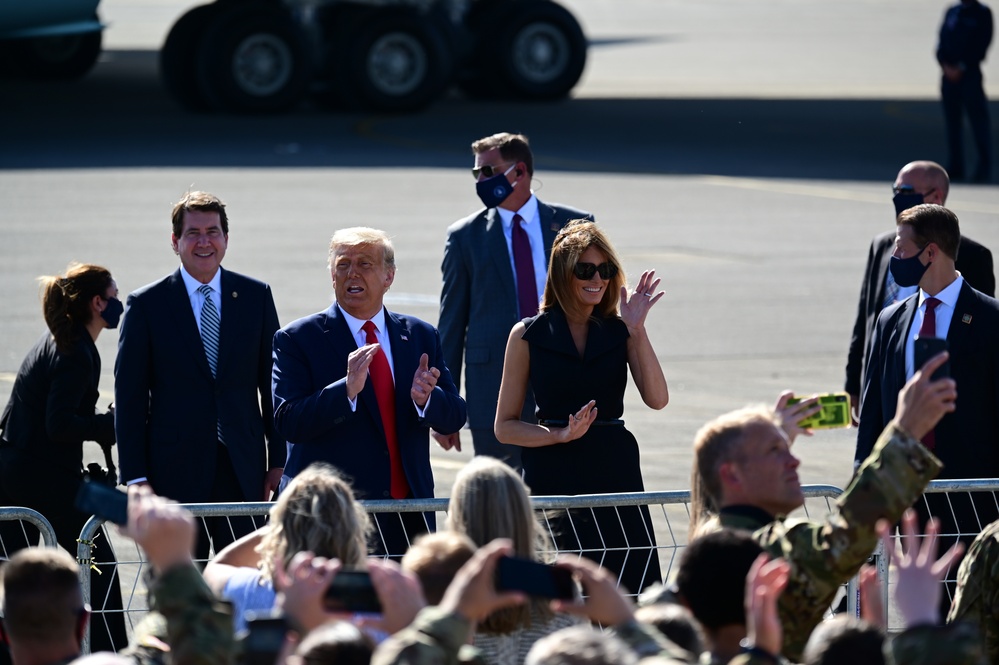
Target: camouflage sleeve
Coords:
[(977, 598), (646, 641), (951, 644), (435, 637), (824, 555), (198, 625)]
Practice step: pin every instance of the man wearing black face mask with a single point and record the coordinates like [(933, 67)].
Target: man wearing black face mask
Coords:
[(945, 306), (917, 182), (495, 264)]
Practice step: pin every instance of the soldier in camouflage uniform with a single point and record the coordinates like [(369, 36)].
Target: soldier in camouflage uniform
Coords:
[(977, 598), (746, 477)]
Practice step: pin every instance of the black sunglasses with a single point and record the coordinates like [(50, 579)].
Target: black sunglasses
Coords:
[(909, 189), (585, 271), (489, 170)]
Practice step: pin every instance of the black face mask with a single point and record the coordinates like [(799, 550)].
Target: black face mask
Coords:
[(906, 200), (908, 272), (112, 313)]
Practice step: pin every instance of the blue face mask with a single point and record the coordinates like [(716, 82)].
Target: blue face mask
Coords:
[(493, 191), (908, 272), (112, 313)]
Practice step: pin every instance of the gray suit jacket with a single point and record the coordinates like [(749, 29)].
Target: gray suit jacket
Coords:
[(479, 302)]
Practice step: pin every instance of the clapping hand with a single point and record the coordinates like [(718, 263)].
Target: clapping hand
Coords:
[(357, 368), (634, 309)]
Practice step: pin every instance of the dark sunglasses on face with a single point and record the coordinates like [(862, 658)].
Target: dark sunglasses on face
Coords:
[(909, 189), (585, 271), (489, 170)]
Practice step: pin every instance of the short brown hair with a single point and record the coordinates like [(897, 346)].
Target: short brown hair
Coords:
[(42, 600), (202, 202), (575, 238), (933, 223), (512, 148), (435, 558)]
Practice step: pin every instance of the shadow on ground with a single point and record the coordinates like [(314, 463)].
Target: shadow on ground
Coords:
[(120, 116)]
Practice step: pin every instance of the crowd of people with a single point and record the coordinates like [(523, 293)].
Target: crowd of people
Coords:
[(215, 401)]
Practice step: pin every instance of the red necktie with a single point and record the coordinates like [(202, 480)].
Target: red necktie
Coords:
[(523, 260), (929, 329), (381, 379)]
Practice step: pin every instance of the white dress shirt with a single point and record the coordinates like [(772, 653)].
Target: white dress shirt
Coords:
[(944, 313), (532, 226), (361, 337)]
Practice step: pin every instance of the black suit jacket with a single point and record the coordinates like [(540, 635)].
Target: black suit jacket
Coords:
[(479, 302), (51, 410), (974, 261), (312, 411), (967, 441), (168, 404)]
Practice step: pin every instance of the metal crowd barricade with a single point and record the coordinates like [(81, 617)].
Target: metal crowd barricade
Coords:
[(32, 517), (669, 513)]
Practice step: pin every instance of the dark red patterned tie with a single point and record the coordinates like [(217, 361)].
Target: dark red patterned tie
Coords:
[(929, 329), (527, 288), (381, 379)]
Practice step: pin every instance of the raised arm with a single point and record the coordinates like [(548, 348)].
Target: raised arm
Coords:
[(645, 367)]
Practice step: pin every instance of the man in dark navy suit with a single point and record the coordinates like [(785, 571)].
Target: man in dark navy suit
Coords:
[(944, 306), (193, 412), (917, 182), (360, 387)]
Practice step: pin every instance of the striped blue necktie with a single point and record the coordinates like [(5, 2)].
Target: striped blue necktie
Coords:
[(210, 329)]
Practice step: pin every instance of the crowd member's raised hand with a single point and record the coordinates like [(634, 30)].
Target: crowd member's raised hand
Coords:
[(164, 530), (603, 603), (789, 415), (399, 592), (872, 606), (922, 402), (919, 572), (764, 584), (472, 594), (301, 589)]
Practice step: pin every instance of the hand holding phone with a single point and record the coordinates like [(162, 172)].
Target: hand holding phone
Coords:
[(352, 591), (107, 503), (924, 348), (534, 579), (834, 412)]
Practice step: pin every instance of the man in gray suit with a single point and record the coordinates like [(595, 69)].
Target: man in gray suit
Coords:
[(495, 265)]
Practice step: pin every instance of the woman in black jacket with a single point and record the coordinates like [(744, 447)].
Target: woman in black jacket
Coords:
[(50, 414)]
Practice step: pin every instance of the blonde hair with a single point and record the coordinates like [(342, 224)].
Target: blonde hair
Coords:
[(317, 512), (362, 235), (571, 242), (490, 501), (716, 443)]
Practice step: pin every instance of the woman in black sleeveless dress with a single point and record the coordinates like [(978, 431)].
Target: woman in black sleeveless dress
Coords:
[(575, 355)]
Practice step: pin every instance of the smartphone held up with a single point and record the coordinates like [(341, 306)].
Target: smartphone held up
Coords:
[(834, 411)]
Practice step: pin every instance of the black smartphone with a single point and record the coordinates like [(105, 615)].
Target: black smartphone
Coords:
[(534, 579), (105, 502), (352, 591), (924, 348), (264, 638)]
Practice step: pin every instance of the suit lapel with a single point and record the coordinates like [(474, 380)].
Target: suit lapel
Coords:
[(881, 277), (907, 311), (961, 322), (187, 325), (500, 253), (403, 363), (232, 314), (549, 228)]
